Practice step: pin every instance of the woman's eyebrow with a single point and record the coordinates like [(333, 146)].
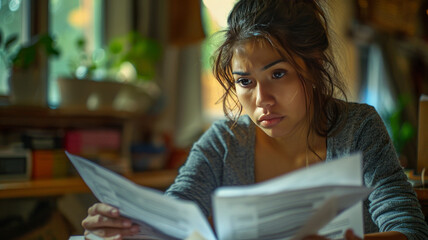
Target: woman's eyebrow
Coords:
[(241, 73), (263, 68), (272, 63)]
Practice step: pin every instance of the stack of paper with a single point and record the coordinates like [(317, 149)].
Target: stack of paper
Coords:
[(324, 199)]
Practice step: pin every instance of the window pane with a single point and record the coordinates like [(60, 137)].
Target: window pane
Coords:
[(11, 22), (214, 13), (69, 22)]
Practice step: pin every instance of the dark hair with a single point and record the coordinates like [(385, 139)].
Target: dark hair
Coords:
[(300, 29)]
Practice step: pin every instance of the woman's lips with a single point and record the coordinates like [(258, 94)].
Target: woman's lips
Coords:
[(270, 121)]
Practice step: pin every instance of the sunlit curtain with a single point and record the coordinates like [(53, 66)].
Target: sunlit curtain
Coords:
[(177, 24)]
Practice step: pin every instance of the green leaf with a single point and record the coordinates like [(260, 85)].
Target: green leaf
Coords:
[(115, 47), (394, 121), (1, 37), (25, 56), (10, 41), (407, 131), (81, 43)]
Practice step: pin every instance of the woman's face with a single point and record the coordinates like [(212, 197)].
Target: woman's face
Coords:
[(269, 89)]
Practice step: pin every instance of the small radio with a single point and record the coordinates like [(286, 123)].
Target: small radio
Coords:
[(15, 165)]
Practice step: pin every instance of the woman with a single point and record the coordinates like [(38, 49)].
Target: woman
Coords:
[(275, 66)]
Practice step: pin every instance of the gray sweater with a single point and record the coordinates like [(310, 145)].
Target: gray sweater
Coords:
[(224, 157)]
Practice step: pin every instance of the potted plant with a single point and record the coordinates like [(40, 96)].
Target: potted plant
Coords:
[(141, 52), (132, 59), (118, 81), (401, 131), (81, 89), (27, 86)]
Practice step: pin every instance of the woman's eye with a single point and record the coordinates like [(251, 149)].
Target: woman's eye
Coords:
[(244, 82), (278, 74)]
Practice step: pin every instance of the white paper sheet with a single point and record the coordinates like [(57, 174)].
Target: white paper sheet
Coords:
[(294, 205), (288, 207), (156, 213)]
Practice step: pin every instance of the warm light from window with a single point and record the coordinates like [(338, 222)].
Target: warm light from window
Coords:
[(216, 15), (219, 10), (79, 18)]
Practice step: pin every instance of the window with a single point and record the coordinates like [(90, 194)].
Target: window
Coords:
[(214, 14), (69, 22), (13, 20)]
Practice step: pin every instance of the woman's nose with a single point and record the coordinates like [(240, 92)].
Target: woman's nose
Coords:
[(264, 96)]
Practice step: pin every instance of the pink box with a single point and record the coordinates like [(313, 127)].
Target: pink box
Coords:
[(92, 141)]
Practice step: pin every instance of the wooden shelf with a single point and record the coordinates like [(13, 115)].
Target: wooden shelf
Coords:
[(160, 179), (17, 119), (38, 117)]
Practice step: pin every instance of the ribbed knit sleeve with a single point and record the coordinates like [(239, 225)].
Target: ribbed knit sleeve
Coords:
[(223, 156), (392, 206)]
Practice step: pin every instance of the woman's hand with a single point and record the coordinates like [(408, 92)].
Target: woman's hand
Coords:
[(105, 221), (349, 235)]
